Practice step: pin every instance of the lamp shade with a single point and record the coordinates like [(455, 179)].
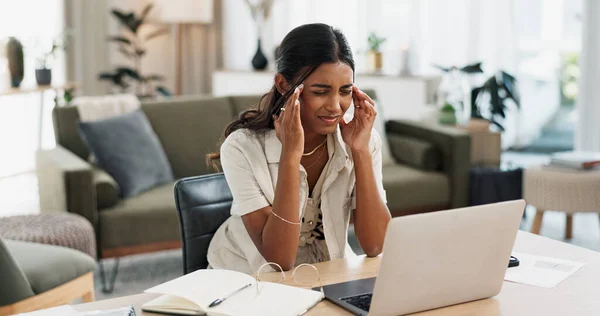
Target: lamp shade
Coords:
[(183, 11)]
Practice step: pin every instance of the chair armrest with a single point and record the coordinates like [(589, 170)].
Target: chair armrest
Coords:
[(66, 184), (14, 286), (455, 146)]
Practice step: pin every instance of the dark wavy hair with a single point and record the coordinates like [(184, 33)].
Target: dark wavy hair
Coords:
[(302, 50)]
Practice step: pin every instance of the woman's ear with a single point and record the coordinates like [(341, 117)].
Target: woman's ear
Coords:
[(281, 84)]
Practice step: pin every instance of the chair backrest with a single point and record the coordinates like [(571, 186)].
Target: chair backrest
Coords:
[(203, 204)]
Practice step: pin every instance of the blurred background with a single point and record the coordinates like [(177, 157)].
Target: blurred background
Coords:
[(517, 76)]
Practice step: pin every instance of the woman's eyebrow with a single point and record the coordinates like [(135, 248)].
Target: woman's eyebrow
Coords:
[(322, 85)]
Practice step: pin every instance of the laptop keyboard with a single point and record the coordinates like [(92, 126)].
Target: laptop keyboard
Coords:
[(362, 301)]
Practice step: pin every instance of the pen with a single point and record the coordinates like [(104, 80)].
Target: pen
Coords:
[(220, 300)]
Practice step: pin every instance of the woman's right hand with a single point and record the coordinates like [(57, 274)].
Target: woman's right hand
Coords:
[(288, 125)]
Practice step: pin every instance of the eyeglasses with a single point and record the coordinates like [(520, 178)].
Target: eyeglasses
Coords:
[(307, 273)]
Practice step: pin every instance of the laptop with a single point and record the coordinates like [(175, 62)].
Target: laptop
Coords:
[(435, 260)]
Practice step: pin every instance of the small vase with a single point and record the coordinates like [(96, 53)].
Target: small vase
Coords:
[(259, 61), (43, 76), (14, 53), (375, 61), (447, 118)]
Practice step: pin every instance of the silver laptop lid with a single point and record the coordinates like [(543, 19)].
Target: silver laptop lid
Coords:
[(445, 258)]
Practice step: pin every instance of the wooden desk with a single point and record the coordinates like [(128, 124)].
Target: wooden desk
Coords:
[(577, 295)]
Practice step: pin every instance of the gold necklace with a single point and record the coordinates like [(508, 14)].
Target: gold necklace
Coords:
[(314, 150), (316, 160)]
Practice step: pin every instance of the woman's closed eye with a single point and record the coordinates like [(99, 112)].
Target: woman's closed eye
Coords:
[(343, 92)]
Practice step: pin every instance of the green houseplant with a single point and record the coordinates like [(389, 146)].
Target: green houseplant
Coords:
[(494, 98), (447, 115), (374, 53), (132, 44), (454, 89), (43, 71)]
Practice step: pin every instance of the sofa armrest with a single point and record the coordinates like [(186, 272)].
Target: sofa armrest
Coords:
[(66, 183), (455, 146)]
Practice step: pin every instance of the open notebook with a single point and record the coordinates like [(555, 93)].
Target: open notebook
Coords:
[(191, 294)]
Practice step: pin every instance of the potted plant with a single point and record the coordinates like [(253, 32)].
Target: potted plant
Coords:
[(447, 115), (43, 72), (374, 53), (132, 45), (494, 98), (455, 89)]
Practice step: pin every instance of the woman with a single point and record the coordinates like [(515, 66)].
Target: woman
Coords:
[(296, 169)]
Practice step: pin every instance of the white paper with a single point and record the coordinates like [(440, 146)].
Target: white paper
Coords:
[(204, 286), (541, 271), (64, 310)]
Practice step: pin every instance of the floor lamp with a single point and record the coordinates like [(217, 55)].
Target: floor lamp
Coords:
[(182, 13)]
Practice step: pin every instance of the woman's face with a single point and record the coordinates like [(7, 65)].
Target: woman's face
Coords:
[(326, 97)]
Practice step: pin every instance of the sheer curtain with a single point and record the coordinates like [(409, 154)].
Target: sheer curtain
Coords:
[(588, 131), (35, 23)]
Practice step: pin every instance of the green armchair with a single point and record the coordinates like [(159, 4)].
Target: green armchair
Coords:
[(37, 276)]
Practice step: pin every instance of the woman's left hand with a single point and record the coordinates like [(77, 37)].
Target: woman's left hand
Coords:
[(357, 133)]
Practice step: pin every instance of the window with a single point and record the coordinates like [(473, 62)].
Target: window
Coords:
[(34, 23)]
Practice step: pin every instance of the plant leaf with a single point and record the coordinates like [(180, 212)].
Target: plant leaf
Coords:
[(473, 68), (119, 39), (163, 90), (145, 12), (444, 69), (506, 77), (512, 93), (128, 19), (140, 52), (106, 76), (129, 72), (158, 33), (493, 121), (475, 112), (495, 102), (125, 52)]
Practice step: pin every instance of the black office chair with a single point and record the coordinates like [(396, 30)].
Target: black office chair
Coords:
[(203, 204)]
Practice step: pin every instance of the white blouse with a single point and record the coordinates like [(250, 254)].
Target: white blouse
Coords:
[(251, 162)]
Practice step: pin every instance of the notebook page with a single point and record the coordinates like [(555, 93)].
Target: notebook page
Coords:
[(204, 286), (274, 299)]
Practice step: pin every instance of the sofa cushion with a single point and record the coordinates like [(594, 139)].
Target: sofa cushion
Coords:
[(413, 189), (415, 152), (189, 129), (48, 266), (127, 148), (147, 218), (107, 189), (244, 102)]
